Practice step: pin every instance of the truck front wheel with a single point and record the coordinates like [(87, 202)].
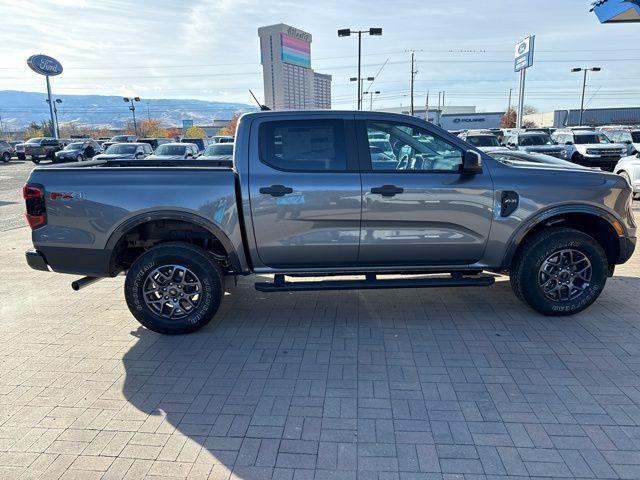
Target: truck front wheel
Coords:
[(559, 271), (174, 288)]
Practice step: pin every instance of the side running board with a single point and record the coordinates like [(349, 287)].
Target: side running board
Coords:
[(371, 281)]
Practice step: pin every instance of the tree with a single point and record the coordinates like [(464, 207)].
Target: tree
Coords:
[(510, 117), (151, 127), (33, 131), (230, 128), (173, 132), (195, 132)]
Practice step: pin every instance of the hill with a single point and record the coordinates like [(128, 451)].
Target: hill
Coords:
[(18, 109)]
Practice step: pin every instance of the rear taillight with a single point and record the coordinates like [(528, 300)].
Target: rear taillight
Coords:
[(33, 195)]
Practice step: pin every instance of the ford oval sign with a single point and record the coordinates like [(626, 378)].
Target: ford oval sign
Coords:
[(44, 65)]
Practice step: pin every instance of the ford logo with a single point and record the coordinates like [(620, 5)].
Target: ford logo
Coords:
[(44, 65)]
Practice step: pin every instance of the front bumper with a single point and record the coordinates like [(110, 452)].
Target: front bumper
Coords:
[(36, 260)]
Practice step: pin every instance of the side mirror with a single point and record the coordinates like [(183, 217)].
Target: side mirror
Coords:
[(568, 142), (628, 142), (471, 163)]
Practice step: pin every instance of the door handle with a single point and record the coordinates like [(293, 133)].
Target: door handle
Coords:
[(276, 190), (387, 190)]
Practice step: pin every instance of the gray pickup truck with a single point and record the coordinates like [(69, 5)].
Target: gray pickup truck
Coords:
[(307, 195)]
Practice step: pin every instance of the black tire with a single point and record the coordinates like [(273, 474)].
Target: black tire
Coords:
[(35, 160), (525, 270), (6, 157), (79, 158), (195, 259), (577, 158)]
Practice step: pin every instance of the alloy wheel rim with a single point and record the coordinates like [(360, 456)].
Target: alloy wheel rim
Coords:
[(565, 275), (172, 291)]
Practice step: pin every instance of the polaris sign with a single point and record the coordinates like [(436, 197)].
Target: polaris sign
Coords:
[(524, 54), (44, 65)]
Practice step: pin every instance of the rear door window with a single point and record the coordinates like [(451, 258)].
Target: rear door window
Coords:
[(304, 145)]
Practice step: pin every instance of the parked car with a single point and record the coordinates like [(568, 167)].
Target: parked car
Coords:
[(201, 143), (175, 151), (13, 144), (480, 139), (6, 151), (41, 147), (154, 142), (130, 151), (218, 151), (629, 168), (303, 200), (78, 151), (222, 139), (120, 139), (536, 141), (629, 138), (590, 148)]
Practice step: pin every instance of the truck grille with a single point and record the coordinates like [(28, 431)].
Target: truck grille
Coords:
[(604, 152)]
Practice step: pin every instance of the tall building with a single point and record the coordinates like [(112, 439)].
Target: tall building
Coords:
[(289, 81)]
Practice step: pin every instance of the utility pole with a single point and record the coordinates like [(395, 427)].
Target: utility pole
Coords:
[(413, 77), (426, 107), (508, 114)]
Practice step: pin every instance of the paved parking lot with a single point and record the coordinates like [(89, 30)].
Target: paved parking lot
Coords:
[(389, 385)]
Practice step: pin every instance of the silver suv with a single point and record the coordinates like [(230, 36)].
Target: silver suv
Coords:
[(6, 151), (590, 148)]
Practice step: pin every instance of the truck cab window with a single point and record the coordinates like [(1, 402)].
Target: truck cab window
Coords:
[(395, 146), (309, 145)]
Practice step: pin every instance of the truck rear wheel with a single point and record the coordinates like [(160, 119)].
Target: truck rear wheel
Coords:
[(174, 288), (559, 271)]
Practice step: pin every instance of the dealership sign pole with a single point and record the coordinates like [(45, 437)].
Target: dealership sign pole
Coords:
[(523, 60), (49, 67)]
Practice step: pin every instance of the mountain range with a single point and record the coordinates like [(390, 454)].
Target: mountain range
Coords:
[(18, 109)]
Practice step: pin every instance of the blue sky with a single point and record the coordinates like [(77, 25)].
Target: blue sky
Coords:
[(208, 49)]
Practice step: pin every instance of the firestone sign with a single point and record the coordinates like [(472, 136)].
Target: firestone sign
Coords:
[(44, 65)]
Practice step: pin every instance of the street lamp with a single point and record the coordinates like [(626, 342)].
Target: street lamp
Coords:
[(346, 32), (361, 88), (55, 115), (584, 85), (371, 94), (132, 107)]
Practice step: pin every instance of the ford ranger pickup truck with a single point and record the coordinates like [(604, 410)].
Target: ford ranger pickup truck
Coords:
[(304, 197)]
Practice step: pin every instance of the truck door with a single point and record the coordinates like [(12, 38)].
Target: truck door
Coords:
[(305, 191), (417, 208)]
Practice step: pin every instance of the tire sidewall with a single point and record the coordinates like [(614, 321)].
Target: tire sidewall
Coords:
[(6, 157), (211, 290), (539, 253)]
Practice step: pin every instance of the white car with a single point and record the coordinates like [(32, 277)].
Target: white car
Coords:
[(590, 148), (629, 168), (630, 138)]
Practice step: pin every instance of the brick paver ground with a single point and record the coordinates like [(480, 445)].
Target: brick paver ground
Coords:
[(397, 384)]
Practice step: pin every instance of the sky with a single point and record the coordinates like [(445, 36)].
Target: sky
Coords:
[(209, 49)]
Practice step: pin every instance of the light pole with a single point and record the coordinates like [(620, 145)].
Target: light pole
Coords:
[(584, 85), (346, 32), (361, 88), (371, 94), (132, 107), (55, 115)]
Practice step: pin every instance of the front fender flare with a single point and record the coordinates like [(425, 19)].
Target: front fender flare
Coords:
[(516, 237)]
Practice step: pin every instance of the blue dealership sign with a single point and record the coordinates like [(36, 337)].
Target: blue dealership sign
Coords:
[(44, 65), (617, 11), (524, 53)]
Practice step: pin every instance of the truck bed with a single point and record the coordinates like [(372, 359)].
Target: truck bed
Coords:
[(89, 204)]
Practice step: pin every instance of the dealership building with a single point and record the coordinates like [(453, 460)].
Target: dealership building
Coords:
[(591, 116), (289, 81), (454, 117)]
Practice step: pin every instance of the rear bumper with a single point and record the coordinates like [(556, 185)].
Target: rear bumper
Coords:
[(36, 260), (627, 246)]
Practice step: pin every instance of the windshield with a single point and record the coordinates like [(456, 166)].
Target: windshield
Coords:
[(483, 141), (74, 146), (170, 150), (635, 137), (531, 140), (34, 140), (121, 149), (219, 149), (120, 138), (583, 138)]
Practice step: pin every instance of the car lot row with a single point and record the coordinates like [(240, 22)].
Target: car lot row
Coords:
[(120, 146)]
